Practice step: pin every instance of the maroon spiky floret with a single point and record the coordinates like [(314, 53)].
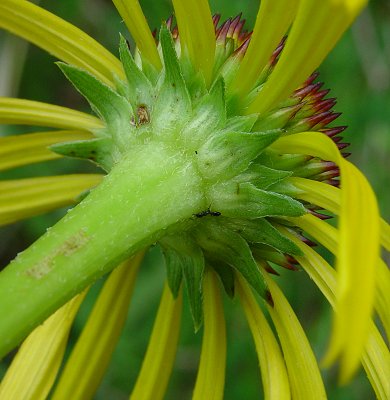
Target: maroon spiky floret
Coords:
[(270, 270), (332, 132), (221, 32), (233, 25), (276, 53), (319, 215), (216, 19), (307, 90), (324, 105)]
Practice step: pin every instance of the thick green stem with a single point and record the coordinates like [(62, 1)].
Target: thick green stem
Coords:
[(150, 191)]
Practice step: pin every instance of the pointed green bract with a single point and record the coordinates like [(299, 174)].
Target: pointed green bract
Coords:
[(261, 231), (173, 263), (173, 104), (99, 151), (230, 153), (114, 109), (184, 258), (240, 200), (265, 252), (233, 250), (226, 275), (209, 115), (139, 88), (193, 275), (263, 177), (241, 123)]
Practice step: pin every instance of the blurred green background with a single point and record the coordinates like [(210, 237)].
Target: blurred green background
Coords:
[(357, 71)]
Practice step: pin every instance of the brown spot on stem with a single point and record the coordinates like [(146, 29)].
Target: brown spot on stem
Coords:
[(69, 247)]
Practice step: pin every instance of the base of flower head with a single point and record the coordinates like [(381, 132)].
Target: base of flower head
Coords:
[(245, 184)]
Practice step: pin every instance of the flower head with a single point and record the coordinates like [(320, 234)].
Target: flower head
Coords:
[(216, 145)]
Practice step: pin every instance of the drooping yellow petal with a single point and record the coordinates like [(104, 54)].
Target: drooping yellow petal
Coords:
[(376, 356), (376, 362), (59, 38), (272, 365), (133, 17), (23, 198), (328, 236), (28, 112), (317, 28), (31, 148), (158, 362), (211, 373), (197, 33), (329, 198), (318, 193), (34, 369), (302, 367), (91, 355), (385, 234), (357, 253), (273, 19), (383, 296)]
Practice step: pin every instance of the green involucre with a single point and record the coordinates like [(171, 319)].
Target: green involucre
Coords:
[(227, 149)]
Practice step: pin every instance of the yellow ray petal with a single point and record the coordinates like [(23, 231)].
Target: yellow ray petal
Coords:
[(273, 19), (28, 112), (157, 366), (385, 234), (302, 367), (89, 359), (136, 23), (376, 362), (23, 198), (383, 296), (376, 356), (329, 198), (273, 368), (357, 253), (197, 33), (59, 38), (211, 373), (34, 369), (328, 236), (30, 148), (316, 29)]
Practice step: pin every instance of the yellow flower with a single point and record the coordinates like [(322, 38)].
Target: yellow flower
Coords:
[(216, 146)]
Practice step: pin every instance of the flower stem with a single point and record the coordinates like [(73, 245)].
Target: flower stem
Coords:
[(152, 190)]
